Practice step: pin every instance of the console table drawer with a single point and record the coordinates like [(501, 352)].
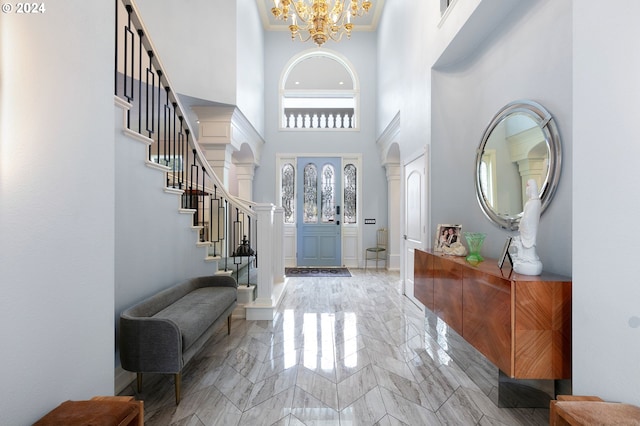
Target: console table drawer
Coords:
[(520, 323), (487, 317)]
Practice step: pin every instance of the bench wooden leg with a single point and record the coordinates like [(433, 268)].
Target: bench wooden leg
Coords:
[(178, 380)]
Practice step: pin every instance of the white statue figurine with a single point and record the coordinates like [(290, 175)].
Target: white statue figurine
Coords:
[(525, 258)]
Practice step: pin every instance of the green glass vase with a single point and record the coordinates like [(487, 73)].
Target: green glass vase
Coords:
[(474, 240)]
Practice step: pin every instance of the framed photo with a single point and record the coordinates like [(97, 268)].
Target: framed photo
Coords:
[(447, 235), (505, 253)]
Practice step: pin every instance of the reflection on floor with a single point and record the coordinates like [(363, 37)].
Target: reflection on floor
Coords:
[(341, 351)]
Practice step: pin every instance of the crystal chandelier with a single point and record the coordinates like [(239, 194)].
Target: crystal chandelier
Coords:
[(319, 20)]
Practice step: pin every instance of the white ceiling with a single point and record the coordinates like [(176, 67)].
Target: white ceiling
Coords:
[(368, 22)]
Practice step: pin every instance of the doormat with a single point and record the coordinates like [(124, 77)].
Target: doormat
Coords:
[(317, 272)]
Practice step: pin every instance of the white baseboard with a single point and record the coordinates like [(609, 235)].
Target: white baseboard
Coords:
[(394, 262), (266, 311)]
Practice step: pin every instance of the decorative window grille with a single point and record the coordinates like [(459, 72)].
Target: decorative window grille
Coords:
[(310, 213), (328, 193), (350, 191), (288, 190)]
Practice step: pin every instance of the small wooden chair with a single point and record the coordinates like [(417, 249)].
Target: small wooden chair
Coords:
[(379, 252)]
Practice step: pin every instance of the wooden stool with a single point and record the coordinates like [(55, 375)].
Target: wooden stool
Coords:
[(98, 411), (591, 410)]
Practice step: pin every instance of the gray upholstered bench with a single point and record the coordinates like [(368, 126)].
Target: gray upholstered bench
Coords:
[(162, 333)]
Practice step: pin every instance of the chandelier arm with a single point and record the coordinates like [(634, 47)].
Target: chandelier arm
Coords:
[(321, 20)]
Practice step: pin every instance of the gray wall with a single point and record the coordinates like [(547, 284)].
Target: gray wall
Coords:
[(527, 57), (404, 60), (56, 207), (361, 53), (190, 42), (606, 293), (568, 56), (211, 49), (155, 245), (250, 63), (447, 78)]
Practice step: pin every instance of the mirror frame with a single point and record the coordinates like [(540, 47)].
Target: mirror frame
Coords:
[(545, 121)]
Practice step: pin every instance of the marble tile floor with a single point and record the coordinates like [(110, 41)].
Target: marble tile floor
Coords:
[(340, 351)]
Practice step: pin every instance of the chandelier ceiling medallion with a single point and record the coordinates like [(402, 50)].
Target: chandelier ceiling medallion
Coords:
[(320, 20)]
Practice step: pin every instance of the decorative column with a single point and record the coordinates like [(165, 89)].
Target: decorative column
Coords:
[(532, 168), (393, 213)]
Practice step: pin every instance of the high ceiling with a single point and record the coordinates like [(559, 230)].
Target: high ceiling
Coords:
[(368, 22)]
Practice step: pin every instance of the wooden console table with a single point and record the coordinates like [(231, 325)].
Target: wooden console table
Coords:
[(521, 323)]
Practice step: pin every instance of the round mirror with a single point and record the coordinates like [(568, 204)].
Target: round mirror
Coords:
[(520, 143)]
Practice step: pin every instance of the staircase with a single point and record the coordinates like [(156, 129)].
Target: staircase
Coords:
[(174, 217)]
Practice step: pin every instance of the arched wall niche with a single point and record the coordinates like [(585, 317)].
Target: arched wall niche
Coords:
[(319, 90)]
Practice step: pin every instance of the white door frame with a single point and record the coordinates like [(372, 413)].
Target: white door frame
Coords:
[(407, 276), (352, 256)]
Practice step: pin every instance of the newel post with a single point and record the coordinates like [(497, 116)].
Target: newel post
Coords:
[(263, 308), (278, 245)]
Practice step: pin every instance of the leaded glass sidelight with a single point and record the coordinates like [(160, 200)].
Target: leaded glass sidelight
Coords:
[(288, 191), (350, 190), (310, 213), (328, 193)]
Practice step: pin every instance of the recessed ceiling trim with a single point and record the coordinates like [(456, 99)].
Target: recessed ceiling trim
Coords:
[(366, 23)]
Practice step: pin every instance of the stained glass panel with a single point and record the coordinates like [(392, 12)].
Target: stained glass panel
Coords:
[(310, 213), (350, 190), (288, 191), (328, 193)]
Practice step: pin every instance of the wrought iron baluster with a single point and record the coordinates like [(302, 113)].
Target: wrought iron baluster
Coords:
[(204, 193), (180, 149), (140, 50), (150, 88), (128, 45), (167, 126), (158, 133), (116, 50), (226, 246), (174, 144), (186, 155)]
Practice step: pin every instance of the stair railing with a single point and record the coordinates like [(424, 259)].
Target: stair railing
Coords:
[(156, 113)]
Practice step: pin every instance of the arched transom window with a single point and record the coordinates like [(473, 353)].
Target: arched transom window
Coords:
[(319, 91)]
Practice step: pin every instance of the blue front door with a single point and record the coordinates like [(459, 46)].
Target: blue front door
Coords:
[(318, 218)]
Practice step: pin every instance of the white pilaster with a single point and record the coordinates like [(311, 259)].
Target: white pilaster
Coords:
[(244, 176), (278, 245), (219, 157), (393, 194)]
